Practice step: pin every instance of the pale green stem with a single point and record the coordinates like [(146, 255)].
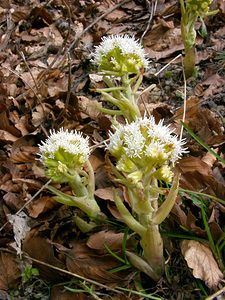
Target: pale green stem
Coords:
[(139, 206), (152, 245), (66, 199), (127, 87), (108, 81), (164, 210), (76, 184), (127, 217), (137, 84), (110, 112), (83, 225), (86, 204), (112, 89), (188, 20), (151, 241), (109, 98), (91, 179)]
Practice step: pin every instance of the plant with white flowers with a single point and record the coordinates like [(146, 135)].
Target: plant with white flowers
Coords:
[(65, 157), (145, 154), (122, 61)]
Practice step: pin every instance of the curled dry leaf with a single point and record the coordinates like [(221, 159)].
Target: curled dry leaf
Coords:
[(199, 258)]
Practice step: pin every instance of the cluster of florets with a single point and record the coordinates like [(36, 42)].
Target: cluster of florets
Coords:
[(120, 54), (63, 152), (145, 145), (200, 7)]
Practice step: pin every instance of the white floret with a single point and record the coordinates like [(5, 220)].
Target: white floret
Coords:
[(133, 140)]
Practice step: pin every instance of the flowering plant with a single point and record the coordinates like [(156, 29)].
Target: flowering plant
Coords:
[(145, 153), (65, 157), (121, 60), (191, 10)]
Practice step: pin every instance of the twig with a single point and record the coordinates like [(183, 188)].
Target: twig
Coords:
[(28, 67), (28, 202), (185, 103), (215, 295), (163, 68), (153, 9)]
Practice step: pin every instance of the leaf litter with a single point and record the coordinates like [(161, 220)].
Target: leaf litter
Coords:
[(42, 87)]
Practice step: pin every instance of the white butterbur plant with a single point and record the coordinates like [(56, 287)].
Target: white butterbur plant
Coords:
[(145, 154), (65, 156), (121, 60)]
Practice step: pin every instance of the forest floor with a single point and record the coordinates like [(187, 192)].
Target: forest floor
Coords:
[(47, 82)]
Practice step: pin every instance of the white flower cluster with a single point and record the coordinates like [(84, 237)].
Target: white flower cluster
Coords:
[(70, 142), (146, 139), (126, 45)]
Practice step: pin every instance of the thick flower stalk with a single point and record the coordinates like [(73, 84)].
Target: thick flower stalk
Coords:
[(65, 157), (145, 154), (191, 10), (121, 60)]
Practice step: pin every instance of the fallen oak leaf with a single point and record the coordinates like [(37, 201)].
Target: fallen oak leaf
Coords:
[(199, 258)]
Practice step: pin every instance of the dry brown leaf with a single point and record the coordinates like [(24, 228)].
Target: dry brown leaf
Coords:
[(88, 107), (105, 194), (9, 271), (23, 150), (196, 175), (104, 238), (88, 263), (199, 258), (40, 113), (201, 120), (39, 248), (41, 206)]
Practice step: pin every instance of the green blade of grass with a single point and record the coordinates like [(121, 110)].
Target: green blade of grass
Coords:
[(203, 144), (115, 255), (146, 296), (203, 195), (121, 268)]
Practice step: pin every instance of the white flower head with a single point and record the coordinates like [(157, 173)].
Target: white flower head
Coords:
[(120, 54), (144, 141), (64, 150)]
